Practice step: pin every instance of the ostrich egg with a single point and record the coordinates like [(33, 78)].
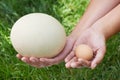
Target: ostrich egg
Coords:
[(38, 35)]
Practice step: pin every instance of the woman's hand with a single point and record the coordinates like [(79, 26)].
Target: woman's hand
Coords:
[(93, 39), (43, 62)]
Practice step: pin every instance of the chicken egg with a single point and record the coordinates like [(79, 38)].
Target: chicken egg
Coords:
[(84, 51)]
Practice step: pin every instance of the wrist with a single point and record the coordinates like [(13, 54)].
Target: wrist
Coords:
[(99, 28), (82, 25)]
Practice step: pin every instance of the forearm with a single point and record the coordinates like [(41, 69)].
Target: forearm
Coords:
[(110, 23), (96, 9)]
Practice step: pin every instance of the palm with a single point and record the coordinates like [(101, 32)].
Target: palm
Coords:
[(42, 62), (97, 43), (91, 38)]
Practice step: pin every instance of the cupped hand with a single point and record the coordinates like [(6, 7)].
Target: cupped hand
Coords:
[(96, 41), (43, 62)]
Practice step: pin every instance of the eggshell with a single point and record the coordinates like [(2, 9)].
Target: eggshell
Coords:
[(38, 35), (84, 52)]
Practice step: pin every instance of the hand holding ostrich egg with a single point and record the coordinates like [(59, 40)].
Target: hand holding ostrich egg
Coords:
[(38, 35)]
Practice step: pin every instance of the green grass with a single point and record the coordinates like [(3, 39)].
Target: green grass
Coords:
[(68, 13)]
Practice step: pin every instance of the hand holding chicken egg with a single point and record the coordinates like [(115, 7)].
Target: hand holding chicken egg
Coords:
[(88, 50), (83, 54)]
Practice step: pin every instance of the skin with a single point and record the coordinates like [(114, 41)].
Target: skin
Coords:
[(99, 9), (95, 10), (95, 37)]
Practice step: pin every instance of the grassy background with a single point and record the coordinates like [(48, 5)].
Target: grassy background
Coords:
[(68, 13)]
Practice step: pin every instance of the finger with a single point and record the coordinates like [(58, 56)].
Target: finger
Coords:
[(34, 59), (41, 62), (61, 56), (67, 49), (80, 63), (68, 64), (36, 62), (77, 43), (38, 66), (25, 59), (98, 58), (70, 56), (84, 63), (47, 62), (76, 65), (19, 56)]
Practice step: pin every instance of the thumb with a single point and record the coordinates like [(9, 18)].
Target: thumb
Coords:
[(98, 57), (61, 55)]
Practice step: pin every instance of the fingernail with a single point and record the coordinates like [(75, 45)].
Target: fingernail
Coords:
[(42, 59), (24, 60), (73, 65), (93, 67), (66, 60), (17, 55), (66, 65)]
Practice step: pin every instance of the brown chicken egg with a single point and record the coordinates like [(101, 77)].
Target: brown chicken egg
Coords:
[(84, 51)]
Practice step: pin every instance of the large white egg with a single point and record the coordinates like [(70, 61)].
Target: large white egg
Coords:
[(38, 35)]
